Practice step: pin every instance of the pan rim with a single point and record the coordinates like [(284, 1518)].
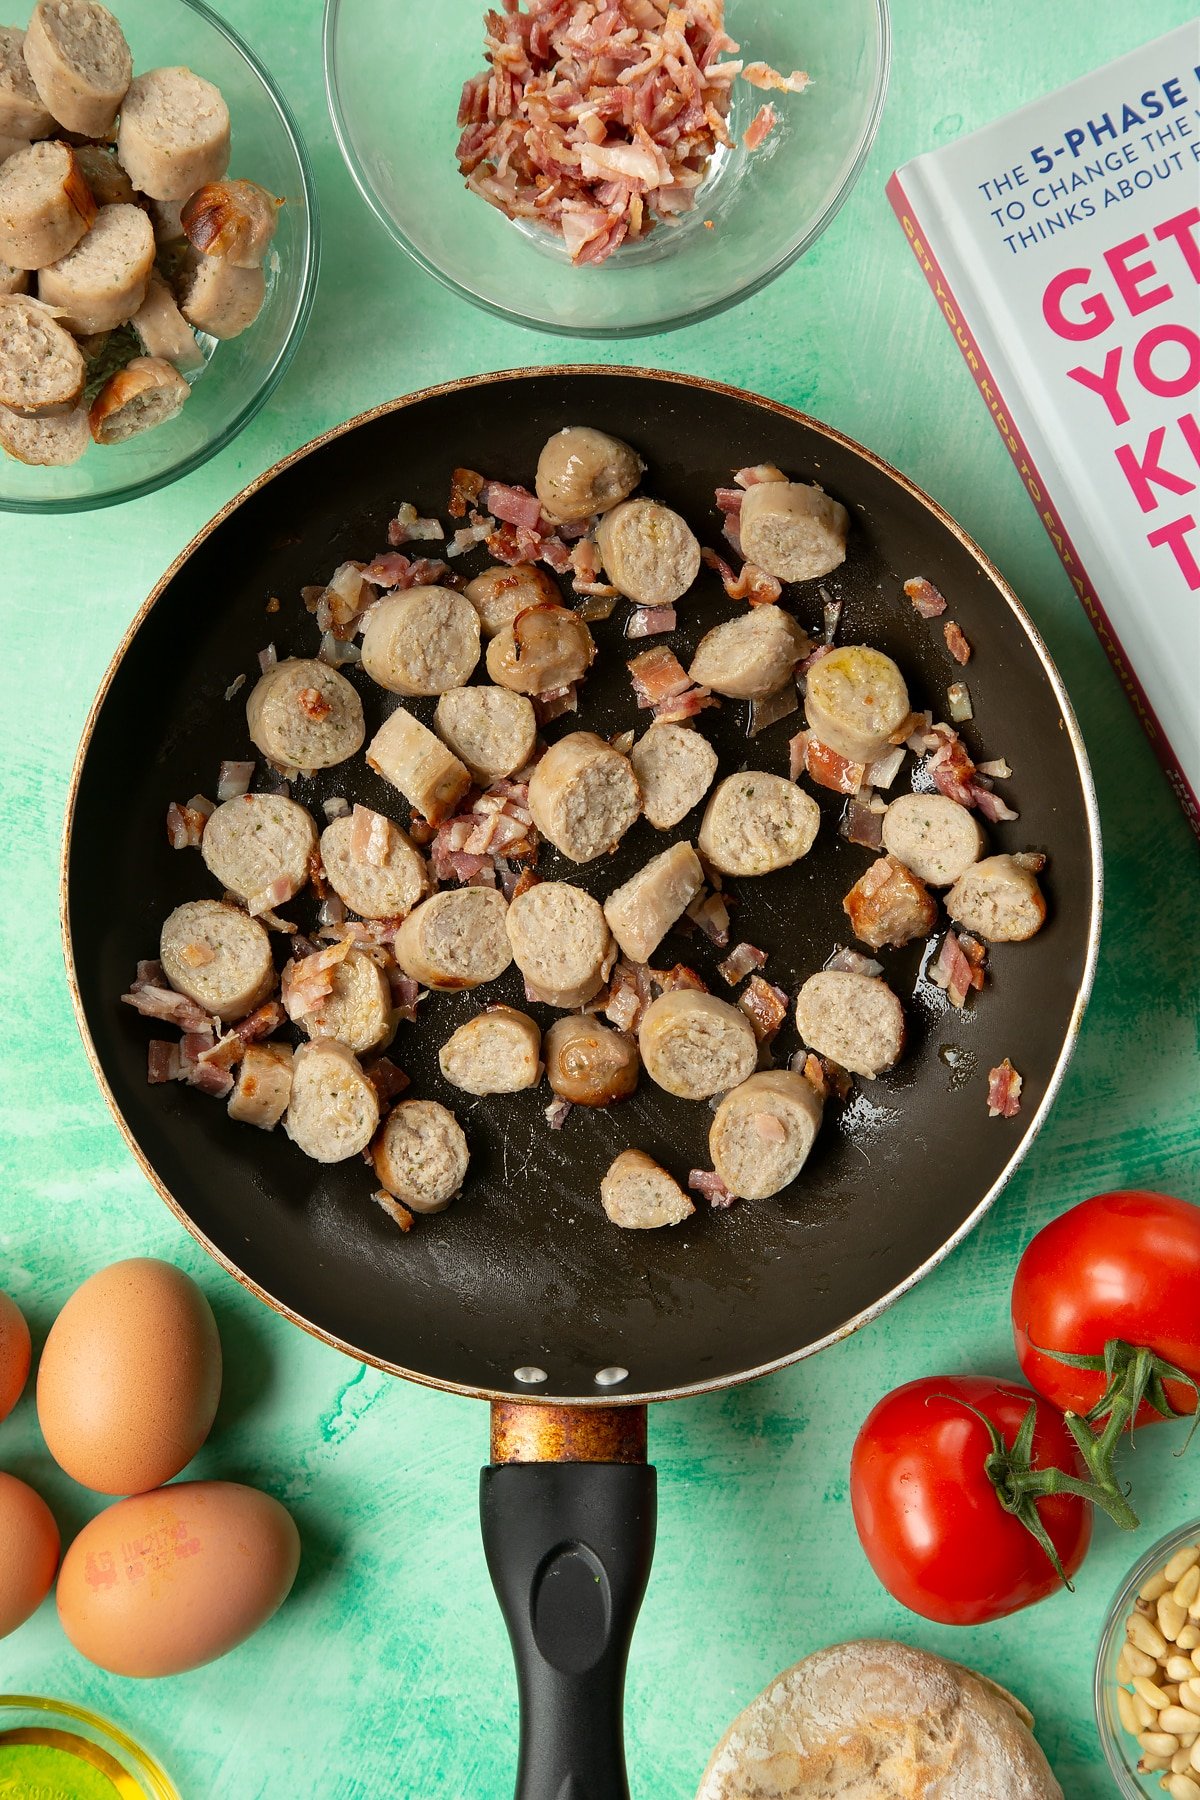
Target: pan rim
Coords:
[(1096, 896)]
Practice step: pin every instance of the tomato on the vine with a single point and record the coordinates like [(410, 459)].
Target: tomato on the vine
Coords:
[(1116, 1276), (948, 1504)]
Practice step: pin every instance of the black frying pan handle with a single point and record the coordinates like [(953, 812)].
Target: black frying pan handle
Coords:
[(569, 1546)]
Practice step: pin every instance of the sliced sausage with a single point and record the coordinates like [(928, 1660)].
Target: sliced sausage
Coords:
[(102, 282), (560, 942), (407, 754), (933, 836), (584, 796), (10, 145), (333, 1110), (497, 1052), (794, 532), (218, 957), (889, 905), (639, 1195), (695, 1045), (174, 133), (855, 1020), (13, 281), (500, 593), (42, 370), (357, 1011), (456, 939), (263, 1086), (753, 656), (166, 220), (998, 899), (422, 1155), (234, 220), (221, 299), (46, 206), (588, 1063), (651, 553), (388, 889), (544, 648), (260, 847), (108, 181), (489, 729), (304, 715), (23, 114), (762, 1133), (856, 702), (643, 909), (163, 329), (80, 63), (674, 765), (756, 823), (147, 392), (47, 442), (421, 642), (582, 472)]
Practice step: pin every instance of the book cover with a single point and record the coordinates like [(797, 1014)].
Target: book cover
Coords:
[(1062, 244)]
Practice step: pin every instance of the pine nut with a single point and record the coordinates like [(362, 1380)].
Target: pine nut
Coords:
[(1181, 1762), (1127, 1712), (1141, 1664), (1144, 1714), (1189, 1695), (1159, 1743), (1171, 1617), (1146, 1636), (1188, 1587), (1150, 1692), (1179, 1668), (1182, 1787), (1181, 1562), (1179, 1720), (1156, 1585), (1189, 1638), (1150, 1765), (1196, 1757)]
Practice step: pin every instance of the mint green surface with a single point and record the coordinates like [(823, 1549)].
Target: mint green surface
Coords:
[(387, 1673)]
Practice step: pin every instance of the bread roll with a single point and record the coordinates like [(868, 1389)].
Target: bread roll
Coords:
[(865, 1720)]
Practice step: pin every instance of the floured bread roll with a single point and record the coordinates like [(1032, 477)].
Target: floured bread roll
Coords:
[(879, 1721)]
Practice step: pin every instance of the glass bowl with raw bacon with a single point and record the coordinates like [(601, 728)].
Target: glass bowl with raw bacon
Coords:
[(606, 168)]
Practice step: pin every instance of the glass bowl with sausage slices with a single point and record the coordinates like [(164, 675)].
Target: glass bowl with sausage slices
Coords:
[(610, 168), (1147, 1688), (158, 247)]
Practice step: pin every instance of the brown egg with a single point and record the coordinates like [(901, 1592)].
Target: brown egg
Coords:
[(166, 1581), (14, 1354), (28, 1552), (130, 1377)]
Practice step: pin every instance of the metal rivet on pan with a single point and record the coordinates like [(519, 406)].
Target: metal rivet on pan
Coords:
[(611, 1377), (529, 1375)]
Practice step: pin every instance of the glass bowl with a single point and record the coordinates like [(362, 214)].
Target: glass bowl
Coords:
[(394, 71), (51, 1747), (239, 375), (1120, 1749)]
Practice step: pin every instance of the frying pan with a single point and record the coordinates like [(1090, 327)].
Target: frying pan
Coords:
[(522, 1293)]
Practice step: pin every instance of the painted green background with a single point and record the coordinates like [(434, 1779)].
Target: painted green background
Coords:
[(387, 1673)]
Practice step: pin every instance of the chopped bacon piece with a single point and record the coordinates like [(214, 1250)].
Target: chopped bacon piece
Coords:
[(314, 704), (827, 1077), (881, 774), (809, 756), (832, 613), (406, 994), (394, 571), (765, 1006), (235, 686), (308, 980), (958, 698), (651, 621), (371, 837), (387, 1078), (862, 824), (155, 1002), (761, 126), (465, 489), (555, 702), (748, 478), (955, 775), (890, 905), (185, 826), (741, 959), (762, 75), (956, 643), (514, 505), (765, 713), (711, 913), (557, 1113), (678, 707), (268, 658), (999, 769), (991, 805), (1033, 860), (753, 585), (230, 1048), (955, 971), (676, 979), (845, 961), (709, 1183), (1004, 1091), (276, 893), (163, 1062), (233, 780), (407, 528), (658, 675), (626, 998), (729, 504), (925, 597), (588, 572)]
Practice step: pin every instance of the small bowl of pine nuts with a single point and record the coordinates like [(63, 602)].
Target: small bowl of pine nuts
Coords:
[(1148, 1673)]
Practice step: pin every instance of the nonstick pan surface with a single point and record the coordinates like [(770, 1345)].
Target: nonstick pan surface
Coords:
[(524, 1270)]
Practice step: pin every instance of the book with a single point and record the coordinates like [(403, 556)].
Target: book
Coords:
[(1062, 244)]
